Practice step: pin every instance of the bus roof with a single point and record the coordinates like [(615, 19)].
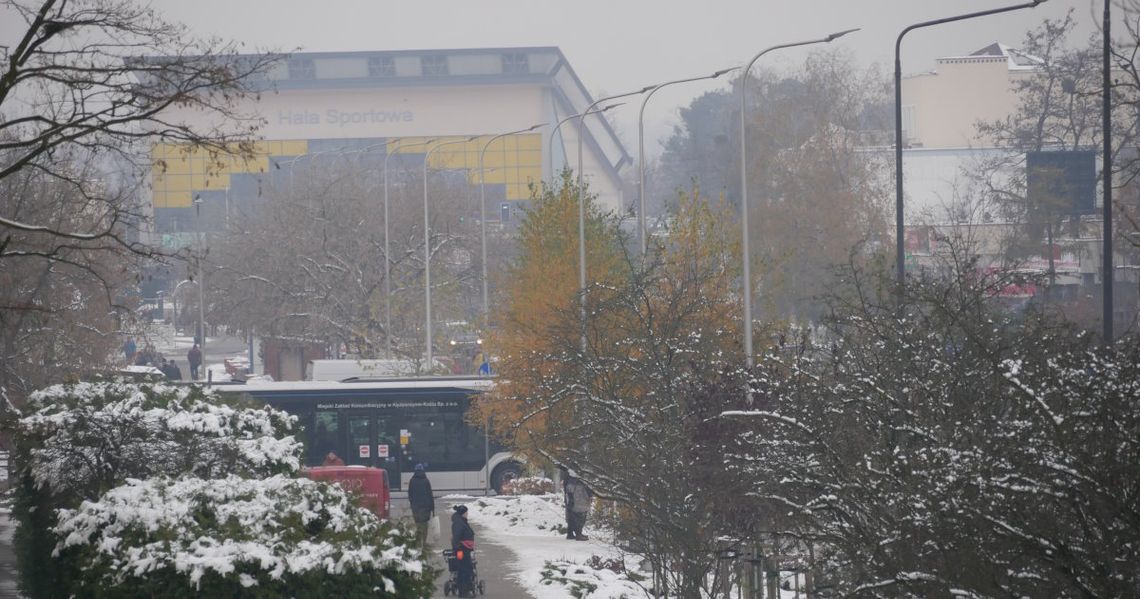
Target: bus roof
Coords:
[(361, 384)]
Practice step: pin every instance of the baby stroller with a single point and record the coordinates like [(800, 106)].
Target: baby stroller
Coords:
[(451, 587)]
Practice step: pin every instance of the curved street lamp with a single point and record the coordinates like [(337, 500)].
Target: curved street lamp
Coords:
[(483, 215), (582, 205), (554, 131), (900, 266), (427, 245), (641, 224), (744, 181), (389, 152)]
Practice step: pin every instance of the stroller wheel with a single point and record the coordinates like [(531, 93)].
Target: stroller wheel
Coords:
[(481, 588)]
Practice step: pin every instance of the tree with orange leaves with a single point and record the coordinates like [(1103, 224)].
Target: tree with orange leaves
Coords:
[(630, 410), (539, 317)]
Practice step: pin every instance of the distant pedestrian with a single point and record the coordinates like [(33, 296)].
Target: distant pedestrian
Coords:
[(170, 370), (194, 357), (578, 499), (332, 459), (422, 502), (129, 349)]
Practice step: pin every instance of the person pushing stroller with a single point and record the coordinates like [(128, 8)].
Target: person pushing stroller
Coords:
[(463, 545)]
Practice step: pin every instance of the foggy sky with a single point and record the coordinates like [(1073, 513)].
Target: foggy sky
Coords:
[(620, 45)]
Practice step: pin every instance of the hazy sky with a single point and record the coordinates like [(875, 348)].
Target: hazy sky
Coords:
[(619, 45)]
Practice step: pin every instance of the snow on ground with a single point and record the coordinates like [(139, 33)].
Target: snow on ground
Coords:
[(546, 563)]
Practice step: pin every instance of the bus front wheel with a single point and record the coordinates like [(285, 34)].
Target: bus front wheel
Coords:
[(504, 473)]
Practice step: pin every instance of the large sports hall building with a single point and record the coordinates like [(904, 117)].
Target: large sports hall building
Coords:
[(320, 105)]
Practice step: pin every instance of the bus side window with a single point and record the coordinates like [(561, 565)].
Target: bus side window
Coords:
[(325, 437)]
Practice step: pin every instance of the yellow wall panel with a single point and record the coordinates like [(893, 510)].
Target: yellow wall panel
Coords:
[(530, 158), (175, 199), (531, 141), (293, 147), (219, 182), (529, 175), (171, 182)]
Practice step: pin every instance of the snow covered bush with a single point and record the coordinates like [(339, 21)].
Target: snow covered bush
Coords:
[(529, 485), (235, 537), (74, 442), (597, 578), (85, 438), (948, 448)]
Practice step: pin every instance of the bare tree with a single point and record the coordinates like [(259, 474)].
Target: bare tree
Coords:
[(83, 90), (310, 262)]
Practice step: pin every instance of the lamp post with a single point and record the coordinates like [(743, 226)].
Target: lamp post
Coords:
[(201, 276), (427, 245), (582, 205), (641, 224), (1107, 277), (483, 217), (900, 266), (310, 155), (744, 181), (559, 126), (389, 152)]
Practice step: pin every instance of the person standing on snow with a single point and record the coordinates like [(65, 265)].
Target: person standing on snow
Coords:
[(194, 357), (423, 504), (129, 350), (463, 544), (578, 500)]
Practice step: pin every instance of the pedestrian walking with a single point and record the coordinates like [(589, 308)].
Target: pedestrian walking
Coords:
[(422, 502), (463, 544), (578, 499), (129, 349), (194, 357)]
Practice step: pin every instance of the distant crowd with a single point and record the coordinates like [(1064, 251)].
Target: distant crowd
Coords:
[(149, 356)]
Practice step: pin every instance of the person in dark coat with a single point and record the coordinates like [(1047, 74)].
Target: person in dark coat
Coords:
[(194, 357), (171, 370), (423, 504), (463, 544), (129, 350)]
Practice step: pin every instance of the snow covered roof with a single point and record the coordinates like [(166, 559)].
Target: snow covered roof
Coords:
[(997, 51)]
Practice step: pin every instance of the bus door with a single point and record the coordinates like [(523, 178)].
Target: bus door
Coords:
[(373, 441)]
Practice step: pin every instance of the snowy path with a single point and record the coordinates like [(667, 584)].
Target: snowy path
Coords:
[(528, 527)]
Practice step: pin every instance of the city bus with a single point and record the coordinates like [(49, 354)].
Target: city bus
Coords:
[(394, 424)]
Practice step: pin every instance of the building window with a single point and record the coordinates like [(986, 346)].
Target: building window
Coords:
[(302, 68), (515, 63), (434, 65), (381, 66)]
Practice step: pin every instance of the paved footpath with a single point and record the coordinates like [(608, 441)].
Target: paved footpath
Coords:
[(493, 562), (493, 559), (7, 556)]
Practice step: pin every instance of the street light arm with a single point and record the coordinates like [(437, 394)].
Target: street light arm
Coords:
[(483, 217), (554, 131), (641, 222), (744, 250), (980, 13), (427, 243), (900, 266)]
